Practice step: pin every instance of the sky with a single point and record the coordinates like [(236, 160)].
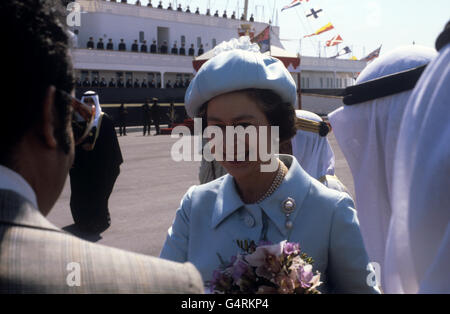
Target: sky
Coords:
[(364, 25)]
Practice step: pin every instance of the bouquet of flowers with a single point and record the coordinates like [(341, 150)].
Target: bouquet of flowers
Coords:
[(266, 268)]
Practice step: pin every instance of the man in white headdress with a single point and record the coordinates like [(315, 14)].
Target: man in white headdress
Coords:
[(94, 172), (418, 247), (367, 129), (313, 151), (91, 98)]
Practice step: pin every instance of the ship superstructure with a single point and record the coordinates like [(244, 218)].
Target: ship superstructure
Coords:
[(141, 25)]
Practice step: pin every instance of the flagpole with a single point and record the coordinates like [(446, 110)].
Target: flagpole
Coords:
[(273, 12), (245, 9)]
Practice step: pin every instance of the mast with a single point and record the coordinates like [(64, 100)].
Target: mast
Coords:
[(273, 13), (246, 9)]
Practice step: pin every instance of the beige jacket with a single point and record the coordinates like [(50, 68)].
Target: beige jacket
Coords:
[(37, 257)]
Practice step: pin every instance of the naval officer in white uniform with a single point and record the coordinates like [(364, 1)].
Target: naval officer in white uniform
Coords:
[(246, 88), (313, 151)]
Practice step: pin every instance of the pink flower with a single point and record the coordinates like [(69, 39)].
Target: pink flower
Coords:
[(315, 282), (291, 248), (296, 263), (270, 268), (267, 268), (240, 267), (286, 284), (305, 276), (258, 258), (221, 281)]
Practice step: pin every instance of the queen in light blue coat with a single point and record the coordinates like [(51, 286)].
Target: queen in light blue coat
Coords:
[(246, 88)]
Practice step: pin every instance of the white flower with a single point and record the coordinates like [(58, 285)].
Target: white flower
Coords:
[(243, 43), (258, 258)]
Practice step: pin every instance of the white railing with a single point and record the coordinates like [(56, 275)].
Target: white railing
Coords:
[(331, 65), (164, 14), (110, 60)]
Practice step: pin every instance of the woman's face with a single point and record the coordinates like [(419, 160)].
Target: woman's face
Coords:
[(238, 109)]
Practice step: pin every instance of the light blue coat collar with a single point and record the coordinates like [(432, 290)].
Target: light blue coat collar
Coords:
[(295, 185)]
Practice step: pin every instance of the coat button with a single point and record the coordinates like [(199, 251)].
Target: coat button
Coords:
[(249, 221), (289, 224)]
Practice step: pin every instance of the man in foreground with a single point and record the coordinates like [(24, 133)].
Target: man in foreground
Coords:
[(37, 151)]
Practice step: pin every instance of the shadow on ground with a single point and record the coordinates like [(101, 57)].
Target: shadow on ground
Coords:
[(74, 230)]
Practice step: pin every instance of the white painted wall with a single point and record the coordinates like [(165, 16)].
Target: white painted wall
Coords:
[(116, 20), (329, 79), (321, 104), (107, 63)]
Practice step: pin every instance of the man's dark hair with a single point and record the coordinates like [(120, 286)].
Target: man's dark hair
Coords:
[(37, 50)]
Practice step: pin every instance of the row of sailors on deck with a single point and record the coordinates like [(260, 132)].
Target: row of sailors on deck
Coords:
[(164, 48), (188, 10), (129, 84)]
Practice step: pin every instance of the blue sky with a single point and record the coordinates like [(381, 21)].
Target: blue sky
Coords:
[(363, 24)]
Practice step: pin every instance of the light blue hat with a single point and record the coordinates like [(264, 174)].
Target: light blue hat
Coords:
[(235, 70)]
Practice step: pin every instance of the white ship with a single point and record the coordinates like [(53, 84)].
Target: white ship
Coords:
[(133, 23)]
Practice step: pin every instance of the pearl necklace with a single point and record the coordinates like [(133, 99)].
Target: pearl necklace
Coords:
[(282, 171)]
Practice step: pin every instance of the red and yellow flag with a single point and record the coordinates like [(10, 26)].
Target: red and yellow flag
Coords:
[(321, 30)]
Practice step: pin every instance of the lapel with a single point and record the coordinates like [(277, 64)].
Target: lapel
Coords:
[(16, 210), (227, 201), (296, 185)]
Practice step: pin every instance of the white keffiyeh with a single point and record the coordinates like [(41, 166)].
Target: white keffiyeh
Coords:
[(98, 108), (367, 134), (418, 248)]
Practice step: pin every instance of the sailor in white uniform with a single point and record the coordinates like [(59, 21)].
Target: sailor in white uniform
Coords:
[(313, 150)]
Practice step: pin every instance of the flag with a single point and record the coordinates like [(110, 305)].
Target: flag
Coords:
[(321, 30), (314, 13), (293, 4), (374, 54), (263, 40), (342, 52), (336, 40)]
